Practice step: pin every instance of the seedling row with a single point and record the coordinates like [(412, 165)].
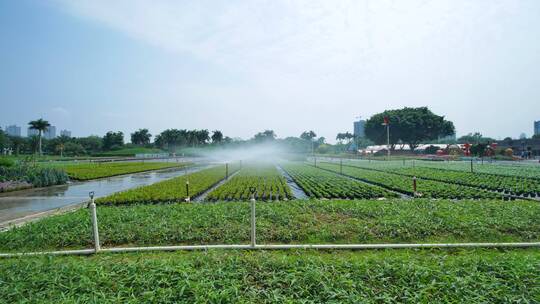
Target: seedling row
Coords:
[(263, 178), (507, 184), (404, 184), (173, 190), (321, 184), (87, 171)]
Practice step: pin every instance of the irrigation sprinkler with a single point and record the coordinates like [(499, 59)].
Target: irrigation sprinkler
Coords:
[(187, 191), (414, 184), (253, 223), (315, 161), (472, 170), (341, 166), (226, 170), (93, 216)]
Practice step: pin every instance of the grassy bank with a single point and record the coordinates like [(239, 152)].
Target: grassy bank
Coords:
[(87, 171), (465, 276), (368, 221), (129, 152)]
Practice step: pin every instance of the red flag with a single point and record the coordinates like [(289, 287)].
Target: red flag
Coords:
[(386, 120)]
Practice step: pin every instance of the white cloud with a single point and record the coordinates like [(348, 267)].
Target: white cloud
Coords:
[(350, 56)]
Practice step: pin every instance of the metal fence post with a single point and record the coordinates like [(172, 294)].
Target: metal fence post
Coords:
[(187, 191), (93, 216), (253, 222)]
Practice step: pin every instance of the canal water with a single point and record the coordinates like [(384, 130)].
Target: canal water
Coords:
[(18, 204)]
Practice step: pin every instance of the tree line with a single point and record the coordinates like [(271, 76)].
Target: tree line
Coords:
[(411, 126)]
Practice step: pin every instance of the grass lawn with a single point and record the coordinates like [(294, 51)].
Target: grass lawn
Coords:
[(130, 152), (325, 221), (87, 171), (303, 276)]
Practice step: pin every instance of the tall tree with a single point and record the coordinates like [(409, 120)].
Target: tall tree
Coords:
[(17, 143), (41, 126), (308, 135), (348, 136), (113, 140), (340, 137), (141, 137), (202, 137), (411, 126), (90, 144), (267, 135), (58, 144), (217, 137), (4, 141)]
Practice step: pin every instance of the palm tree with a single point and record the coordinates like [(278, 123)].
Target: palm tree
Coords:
[(40, 125)]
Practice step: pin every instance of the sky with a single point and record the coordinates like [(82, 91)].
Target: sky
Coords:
[(91, 66)]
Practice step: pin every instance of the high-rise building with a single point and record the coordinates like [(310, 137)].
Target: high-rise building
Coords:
[(13, 130), (65, 133), (537, 127), (32, 132), (359, 128), (50, 132)]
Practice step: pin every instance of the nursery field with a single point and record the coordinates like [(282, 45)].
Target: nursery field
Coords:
[(321, 184), (296, 221), (346, 205), (523, 185), (172, 190), (87, 171), (517, 170), (267, 182), (459, 276), (404, 184)]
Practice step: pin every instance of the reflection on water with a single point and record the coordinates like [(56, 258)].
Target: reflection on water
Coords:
[(20, 203)]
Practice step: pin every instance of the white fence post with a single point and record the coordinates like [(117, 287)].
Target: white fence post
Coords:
[(253, 222), (93, 216)]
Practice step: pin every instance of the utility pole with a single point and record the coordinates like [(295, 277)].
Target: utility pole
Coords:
[(387, 124), (388, 138)]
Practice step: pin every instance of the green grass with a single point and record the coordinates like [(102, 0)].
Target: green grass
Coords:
[(87, 171), (268, 183), (333, 221), (130, 152), (317, 183), (404, 184), (405, 276), (172, 190)]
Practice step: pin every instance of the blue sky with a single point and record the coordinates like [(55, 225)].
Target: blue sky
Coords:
[(244, 66)]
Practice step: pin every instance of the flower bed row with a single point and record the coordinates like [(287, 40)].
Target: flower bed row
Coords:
[(321, 184), (265, 179), (404, 184), (172, 190)]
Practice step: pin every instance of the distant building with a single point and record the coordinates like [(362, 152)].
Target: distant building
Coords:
[(50, 132), (359, 129), (32, 132), (537, 127), (65, 133), (13, 130)]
